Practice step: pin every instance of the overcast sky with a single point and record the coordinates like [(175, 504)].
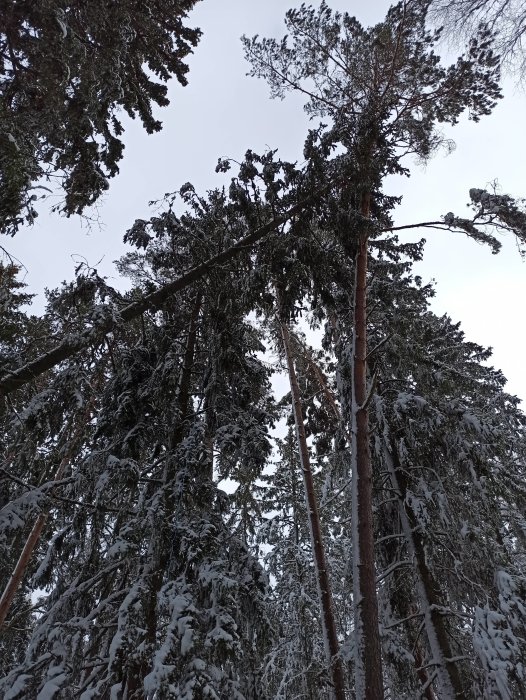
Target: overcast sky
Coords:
[(223, 112)]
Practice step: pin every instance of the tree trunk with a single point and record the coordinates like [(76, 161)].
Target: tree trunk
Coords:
[(368, 659), (95, 335), (324, 590), (20, 569), (428, 692)]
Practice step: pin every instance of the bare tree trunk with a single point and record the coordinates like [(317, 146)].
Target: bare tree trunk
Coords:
[(446, 673), (368, 659), (20, 569), (369, 682), (320, 377), (428, 693), (324, 590)]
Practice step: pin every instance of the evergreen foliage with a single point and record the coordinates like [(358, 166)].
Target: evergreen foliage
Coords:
[(67, 69), (155, 581)]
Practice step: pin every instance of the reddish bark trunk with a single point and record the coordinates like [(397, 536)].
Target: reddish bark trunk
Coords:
[(18, 573), (370, 684), (324, 589)]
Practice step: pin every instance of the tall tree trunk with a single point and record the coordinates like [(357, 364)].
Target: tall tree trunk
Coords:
[(324, 590), (306, 687), (446, 671), (368, 659), (428, 692)]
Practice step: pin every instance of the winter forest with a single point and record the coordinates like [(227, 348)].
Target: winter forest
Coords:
[(172, 525)]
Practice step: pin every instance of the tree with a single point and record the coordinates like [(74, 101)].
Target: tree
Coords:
[(67, 69), (142, 568), (62, 347), (459, 451), (151, 571), (17, 333), (384, 90), (295, 664), (329, 630), (432, 601)]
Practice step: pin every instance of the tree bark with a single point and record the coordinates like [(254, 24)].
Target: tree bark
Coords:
[(428, 692), (324, 590), (18, 572), (368, 659)]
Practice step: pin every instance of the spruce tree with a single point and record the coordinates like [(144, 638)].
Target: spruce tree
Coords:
[(67, 70), (149, 590)]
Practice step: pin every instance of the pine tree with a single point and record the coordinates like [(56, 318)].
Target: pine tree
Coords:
[(329, 630), (384, 90)]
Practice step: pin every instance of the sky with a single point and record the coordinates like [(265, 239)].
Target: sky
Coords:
[(223, 112)]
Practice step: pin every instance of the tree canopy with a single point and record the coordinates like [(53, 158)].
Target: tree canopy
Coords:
[(373, 547), (66, 71)]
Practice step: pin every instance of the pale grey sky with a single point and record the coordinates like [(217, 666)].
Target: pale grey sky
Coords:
[(223, 112)]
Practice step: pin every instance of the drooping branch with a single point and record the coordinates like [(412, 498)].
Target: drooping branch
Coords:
[(493, 212)]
